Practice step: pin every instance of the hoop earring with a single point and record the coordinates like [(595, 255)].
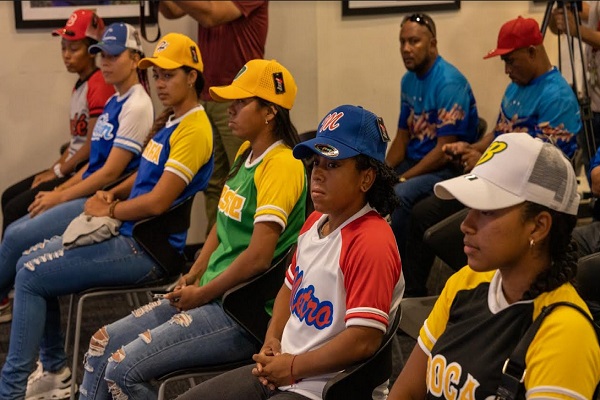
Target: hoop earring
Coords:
[(531, 243)]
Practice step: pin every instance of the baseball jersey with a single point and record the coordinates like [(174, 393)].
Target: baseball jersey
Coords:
[(87, 100), (227, 47), (545, 108), (270, 188), (351, 277), (472, 330), (184, 147), (439, 103), (125, 123)]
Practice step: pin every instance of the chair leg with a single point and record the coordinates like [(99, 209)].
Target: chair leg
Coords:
[(69, 318), (75, 362)]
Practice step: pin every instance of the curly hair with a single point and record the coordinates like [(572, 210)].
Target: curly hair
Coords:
[(381, 195), (563, 251)]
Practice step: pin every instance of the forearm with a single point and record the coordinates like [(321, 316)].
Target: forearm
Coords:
[(81, 155), (74, 180), (397, 150), (350, 346), (210, 245), (589, 36), (89, 186), (595, 176), (484, 142), (170, 10), (208, 13), (281, 314), (433, 161)]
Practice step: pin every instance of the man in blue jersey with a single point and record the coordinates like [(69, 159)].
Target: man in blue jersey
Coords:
[(437, 108), (538, 102)]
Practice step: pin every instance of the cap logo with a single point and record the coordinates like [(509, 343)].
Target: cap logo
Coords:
[(331, 122), (241, 72), (278, 83), (495, 148), (161, 46), (194, 54), (327, 150), (136, 37), (72, 20), (382, 131)]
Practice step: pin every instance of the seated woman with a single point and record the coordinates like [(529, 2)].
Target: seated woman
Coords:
[(523, 202), (176, 164), (116, 148), (344, 285), (260, 213), (83, 29)]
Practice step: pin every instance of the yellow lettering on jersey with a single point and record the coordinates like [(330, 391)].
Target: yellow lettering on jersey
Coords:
[(152, 152), (443, 379), (231, 203)]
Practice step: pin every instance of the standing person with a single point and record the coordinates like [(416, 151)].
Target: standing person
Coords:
[(523, 202), (437, 107), (346, 266), (230, 33), (117, 142), (261, 211), (176, 163), (538, 102), (83, 29)]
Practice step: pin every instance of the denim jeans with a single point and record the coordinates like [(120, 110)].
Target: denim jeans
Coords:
[(49, 272), (409, 193), (235, 385), (27, 232), (157, 339)]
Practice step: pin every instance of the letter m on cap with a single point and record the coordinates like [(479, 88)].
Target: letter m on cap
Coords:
[(331, 121)]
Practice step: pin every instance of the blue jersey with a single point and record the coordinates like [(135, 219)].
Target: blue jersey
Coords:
[(545, 108), (183, 147), (439, 103), (125, 123)]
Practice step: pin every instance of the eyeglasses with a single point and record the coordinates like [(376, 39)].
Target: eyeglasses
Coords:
[(421, 19)]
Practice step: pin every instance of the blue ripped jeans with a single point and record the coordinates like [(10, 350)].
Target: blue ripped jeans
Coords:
[(157, 339), (27, 232), (48, 272)]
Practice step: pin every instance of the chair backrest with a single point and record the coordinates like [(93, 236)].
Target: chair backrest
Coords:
[(588, 277), (246, 302), (152, 234), (446, 240), (481, 128), (359, 381)]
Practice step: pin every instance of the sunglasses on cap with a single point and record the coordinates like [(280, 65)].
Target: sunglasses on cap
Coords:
[(421, 19)]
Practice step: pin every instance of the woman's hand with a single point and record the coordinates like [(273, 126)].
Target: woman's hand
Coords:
[(97, 205), (44, 201), (272, 347), (276, 370), (45, 176), (187, 298)]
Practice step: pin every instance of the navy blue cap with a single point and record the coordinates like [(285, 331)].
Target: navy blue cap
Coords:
[(345, 132)]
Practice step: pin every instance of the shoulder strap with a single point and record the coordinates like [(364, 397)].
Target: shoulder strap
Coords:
[(513, 372), (153, 10)]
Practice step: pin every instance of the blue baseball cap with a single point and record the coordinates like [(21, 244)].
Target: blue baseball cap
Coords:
[(345, 132), (118, 37)]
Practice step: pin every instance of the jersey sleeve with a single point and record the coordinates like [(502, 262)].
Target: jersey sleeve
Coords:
[(565, 342), (454, 101), (135, 121), (559, 121), (98, 94), (404, 109), (191, 147), (280, 181), (371, 267)]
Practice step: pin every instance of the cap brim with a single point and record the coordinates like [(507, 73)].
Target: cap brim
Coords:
[(321, 146), (476, 192), (59, 32), (497, 52), (160, 62), (227, 93), (112, 49)]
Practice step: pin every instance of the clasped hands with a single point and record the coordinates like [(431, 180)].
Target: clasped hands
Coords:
[(462, 153), (273, 368)]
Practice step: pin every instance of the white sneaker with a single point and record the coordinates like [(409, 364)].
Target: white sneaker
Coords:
[(48, 385), (36, 374)]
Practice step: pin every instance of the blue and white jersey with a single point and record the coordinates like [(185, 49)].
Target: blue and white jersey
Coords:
[(545, 108), (439, 103), (125, 122)]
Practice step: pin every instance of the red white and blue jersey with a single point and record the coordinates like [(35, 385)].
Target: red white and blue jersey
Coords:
[(351, 277), (87, 100), (125, 123)]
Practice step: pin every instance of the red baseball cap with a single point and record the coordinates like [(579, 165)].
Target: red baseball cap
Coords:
[(516, 34), (81, 24)]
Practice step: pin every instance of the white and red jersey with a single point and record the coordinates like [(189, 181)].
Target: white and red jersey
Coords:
[(353, 276)]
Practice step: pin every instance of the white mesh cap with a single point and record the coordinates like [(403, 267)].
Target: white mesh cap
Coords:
[(516, 168)]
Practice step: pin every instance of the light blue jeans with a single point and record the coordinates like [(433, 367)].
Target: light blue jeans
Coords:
[(27, 232), (157, 339), (52, 271), (409, 193)]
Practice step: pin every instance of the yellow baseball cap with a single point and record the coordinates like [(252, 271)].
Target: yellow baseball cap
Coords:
[(174, 50), (266, 79)]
